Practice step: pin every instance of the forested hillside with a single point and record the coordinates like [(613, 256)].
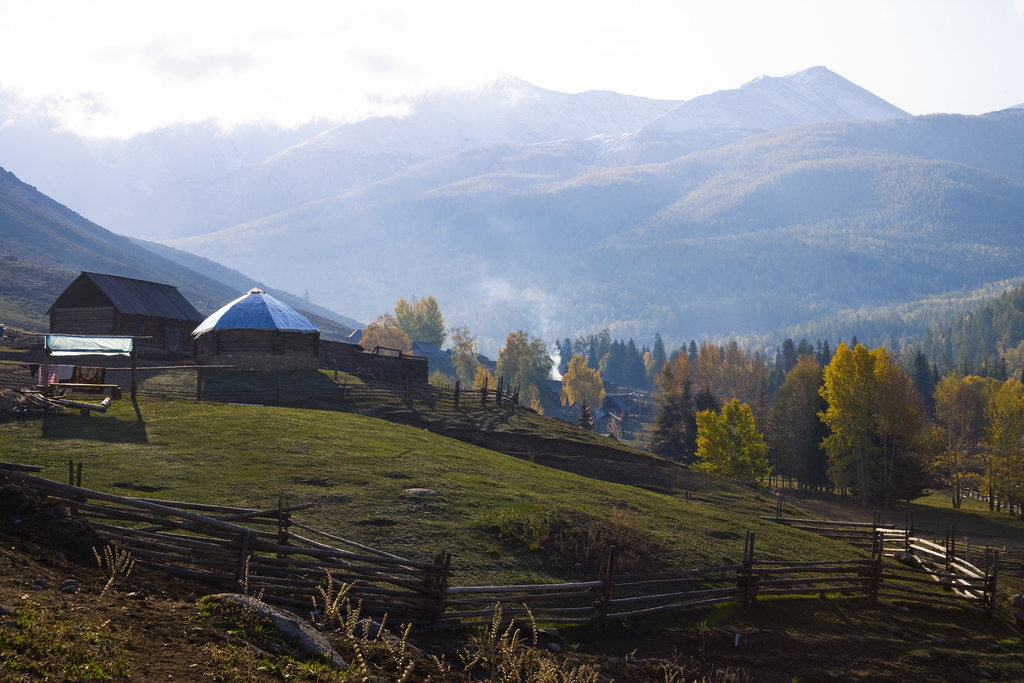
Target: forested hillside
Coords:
[(975, 342), (772, 231)]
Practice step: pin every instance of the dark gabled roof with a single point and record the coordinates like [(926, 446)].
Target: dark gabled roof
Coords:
[(616, 402), (424, 348), (137, 297)]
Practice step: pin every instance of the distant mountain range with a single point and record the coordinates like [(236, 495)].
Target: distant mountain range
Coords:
[(786, 200)]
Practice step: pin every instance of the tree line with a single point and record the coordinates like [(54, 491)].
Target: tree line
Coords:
[(850, 421)]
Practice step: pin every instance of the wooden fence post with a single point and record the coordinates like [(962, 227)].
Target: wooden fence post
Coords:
[(994, 583), (878, 547), (243, 560), (483, 394), (442, 593), (283, 520), (458, 384), (607, 570), (497, 395), (71, 482), (134, 383), (748, 560)]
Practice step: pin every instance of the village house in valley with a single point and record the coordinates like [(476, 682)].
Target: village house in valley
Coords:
[(157, 315)]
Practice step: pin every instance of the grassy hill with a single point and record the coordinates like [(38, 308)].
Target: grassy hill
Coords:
[(490, 510)]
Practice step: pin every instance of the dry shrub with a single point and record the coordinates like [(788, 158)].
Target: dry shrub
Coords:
[(577, 539), (583, 542), (506, 657)]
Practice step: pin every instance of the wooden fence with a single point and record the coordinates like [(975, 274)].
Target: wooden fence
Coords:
[(232, 390), (259, 551), (861, 534), (210, 543)]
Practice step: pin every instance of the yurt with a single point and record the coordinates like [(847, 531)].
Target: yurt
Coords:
[(259, 333)]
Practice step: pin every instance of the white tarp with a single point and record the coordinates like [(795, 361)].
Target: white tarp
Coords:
[(69, 345)]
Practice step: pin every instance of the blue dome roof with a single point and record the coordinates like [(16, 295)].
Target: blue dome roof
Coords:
[(256, 310)]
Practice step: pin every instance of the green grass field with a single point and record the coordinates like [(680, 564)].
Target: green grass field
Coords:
[(356, 469)]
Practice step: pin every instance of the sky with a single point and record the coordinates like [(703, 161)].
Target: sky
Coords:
[(121, 68)]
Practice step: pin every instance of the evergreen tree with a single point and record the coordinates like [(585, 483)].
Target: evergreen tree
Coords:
[(613, 362), (824, 354), (692, 351), (659, 353), (706, 400), (674, 434), (805, 348), (789, 357), (924, 382), (1001, 373), (585, 419), (634, 374)]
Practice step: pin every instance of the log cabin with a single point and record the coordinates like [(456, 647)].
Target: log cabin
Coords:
[(157, 315)]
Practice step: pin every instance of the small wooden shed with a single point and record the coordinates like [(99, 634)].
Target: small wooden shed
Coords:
[(157, 315), (259, 333)]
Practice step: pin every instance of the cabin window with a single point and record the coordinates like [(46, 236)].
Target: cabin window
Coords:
[(174, 339)]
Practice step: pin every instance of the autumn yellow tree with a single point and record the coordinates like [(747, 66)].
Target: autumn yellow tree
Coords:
[(581, 384), (729, 444), (483, 378), (849, 388), (1004, 443), (900, 426), (421, 319), (533, 399), (385, 333), (959, 414)]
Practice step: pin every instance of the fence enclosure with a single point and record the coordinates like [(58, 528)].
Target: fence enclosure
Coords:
[(261, 552)]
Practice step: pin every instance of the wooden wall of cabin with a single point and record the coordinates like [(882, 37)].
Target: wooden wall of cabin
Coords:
[(271, 342), (96, 321), (259, 350), (157, 334)]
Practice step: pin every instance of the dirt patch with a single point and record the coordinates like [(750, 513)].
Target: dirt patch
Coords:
[(26, 516)]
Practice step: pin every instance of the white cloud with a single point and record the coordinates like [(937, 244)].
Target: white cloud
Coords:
[(155, 64)]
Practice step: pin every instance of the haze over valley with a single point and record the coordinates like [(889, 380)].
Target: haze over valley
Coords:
[(787, 200)]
